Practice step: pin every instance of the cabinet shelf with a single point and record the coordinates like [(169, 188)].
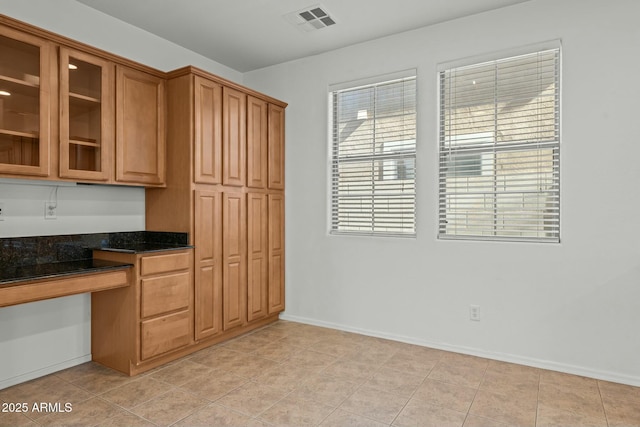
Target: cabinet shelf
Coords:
[(25, 108), (84, 98), (84, 141), (17, 133), (28, 83)]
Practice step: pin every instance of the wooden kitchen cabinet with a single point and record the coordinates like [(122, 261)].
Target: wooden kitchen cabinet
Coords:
[(257, 257), (140, 127), (234, 281), (234, 136), (146, 324), (165, 303), (257, 142), (211, 126), (265, 144), (87, 119), (208, 264), (207, 142), (276, 147), (25, 88), (276, 253), (265, 254), (69, 111)]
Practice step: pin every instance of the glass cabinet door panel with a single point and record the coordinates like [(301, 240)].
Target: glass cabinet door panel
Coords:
[(24, 111), (86, 114), (20, 60)]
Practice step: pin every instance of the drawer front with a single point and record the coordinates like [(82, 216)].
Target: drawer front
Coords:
[(164, 334), (164, 293), (162, 263), (53, 288)]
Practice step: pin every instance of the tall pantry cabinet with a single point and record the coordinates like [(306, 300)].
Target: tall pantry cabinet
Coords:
[(225, 188)]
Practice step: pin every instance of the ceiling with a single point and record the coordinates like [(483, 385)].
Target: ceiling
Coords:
[(246, 35)]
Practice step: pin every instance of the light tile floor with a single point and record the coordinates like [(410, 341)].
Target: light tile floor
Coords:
[(290, 374)]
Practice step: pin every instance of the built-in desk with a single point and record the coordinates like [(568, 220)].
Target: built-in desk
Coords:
[(43, 267), (86, 276), (12, 276)]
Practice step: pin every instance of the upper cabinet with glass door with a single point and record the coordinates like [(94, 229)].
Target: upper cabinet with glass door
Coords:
[(24, 104), (86, 116)]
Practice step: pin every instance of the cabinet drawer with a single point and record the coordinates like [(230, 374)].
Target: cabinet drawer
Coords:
[(163, 263), (164, 334), (164, 293)]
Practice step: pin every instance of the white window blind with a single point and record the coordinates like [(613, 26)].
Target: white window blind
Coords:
[(373, 158), (499, 173)]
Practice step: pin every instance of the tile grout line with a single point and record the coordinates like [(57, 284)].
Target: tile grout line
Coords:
[(338, 358), (604, 410), (477, 390), (362, 384), (348, 396), (412, 394), (538, 398)]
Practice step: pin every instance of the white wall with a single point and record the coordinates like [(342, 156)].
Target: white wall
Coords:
[(42, 337), (572, 306), (80, 208)]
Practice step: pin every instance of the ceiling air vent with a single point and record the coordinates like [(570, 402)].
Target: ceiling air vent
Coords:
[(310, 18)]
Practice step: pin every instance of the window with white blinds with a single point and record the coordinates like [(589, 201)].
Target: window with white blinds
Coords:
[(499, 173), (373, 186)]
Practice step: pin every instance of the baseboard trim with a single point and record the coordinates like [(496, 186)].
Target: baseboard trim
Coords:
[(503, 357), (6, 383)]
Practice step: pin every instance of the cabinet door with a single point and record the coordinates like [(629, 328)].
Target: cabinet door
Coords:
[(140, 133), (276, 253), (257, 279), (234, 283), (208, 279), (257, 142), (25, 93), (234, 136), (87, 122), (276, 147), (207, 131)]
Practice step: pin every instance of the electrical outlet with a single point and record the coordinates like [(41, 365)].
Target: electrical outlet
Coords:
[(50, 210), (474, 313), (2, 211)]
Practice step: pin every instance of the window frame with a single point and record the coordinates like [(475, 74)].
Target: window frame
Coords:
[(497, 57), (380, 160)]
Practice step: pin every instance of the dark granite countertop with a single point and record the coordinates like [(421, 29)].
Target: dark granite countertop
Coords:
[(30, 258), (142, 247), (144, 241), (13, 276)]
